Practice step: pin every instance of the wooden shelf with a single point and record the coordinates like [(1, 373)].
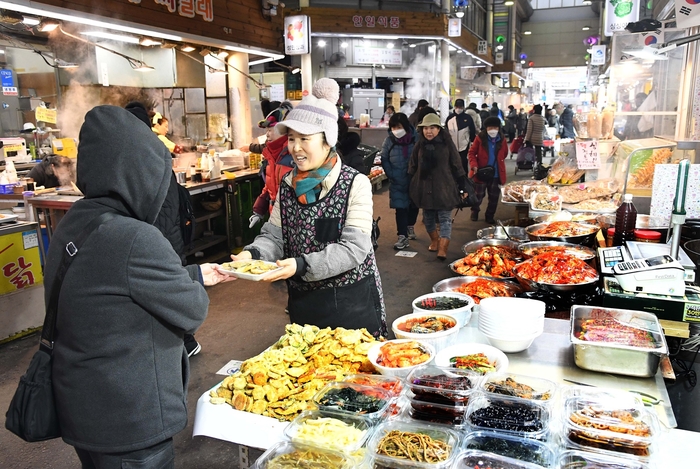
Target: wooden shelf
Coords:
[(202, 216), (206, 242)]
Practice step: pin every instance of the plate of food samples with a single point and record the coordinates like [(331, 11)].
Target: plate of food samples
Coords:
[(249, 269)]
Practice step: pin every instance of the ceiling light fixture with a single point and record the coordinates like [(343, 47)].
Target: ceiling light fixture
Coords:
[(585, 28), (187, 48), (527, 33), (222, 54), (111, 36), (148, 42), (412, 46), (321, 43), (586, 2), (47, 25), (204, 52), (390, 45), (344, 45), (31, 20), (509, 3), (293, 70), (259, 61), (57, 63)]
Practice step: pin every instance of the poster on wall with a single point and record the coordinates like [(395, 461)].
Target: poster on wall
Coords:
[(377, 56), (297, 31), (618, 13), (454, 27)]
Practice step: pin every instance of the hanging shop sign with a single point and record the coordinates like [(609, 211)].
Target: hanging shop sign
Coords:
[(618, 13), (687, 13), (297, 31), (45, 115), (370, 21), (377, 55), (454, 27), (598, 55), (483, 48), (499, 58), (187, 8), (8, 83), (20, 265), (587, 156)]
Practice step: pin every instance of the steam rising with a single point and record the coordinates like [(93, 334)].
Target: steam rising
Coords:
[(422, 86)]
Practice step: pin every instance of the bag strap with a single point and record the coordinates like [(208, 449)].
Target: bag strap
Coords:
[(47, 332)]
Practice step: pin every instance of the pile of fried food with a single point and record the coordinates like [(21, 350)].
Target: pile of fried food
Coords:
[(255, 267), (602, 189), (488, 261), (281, 381), (485, 288), (565, 229), (557, 269), (642, 177)]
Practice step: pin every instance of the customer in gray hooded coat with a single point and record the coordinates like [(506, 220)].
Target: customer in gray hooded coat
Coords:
[(120, 370)]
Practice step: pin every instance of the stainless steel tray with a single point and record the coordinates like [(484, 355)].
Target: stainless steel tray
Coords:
[(608, 357)]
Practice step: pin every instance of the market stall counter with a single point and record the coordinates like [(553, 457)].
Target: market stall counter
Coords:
[(551, 356)]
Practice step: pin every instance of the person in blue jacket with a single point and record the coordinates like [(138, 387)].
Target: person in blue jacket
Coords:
[(396, 153)]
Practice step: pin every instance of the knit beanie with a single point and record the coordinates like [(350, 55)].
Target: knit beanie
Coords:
[(276, 115), (316, 112), (492, 121), (139, 110)]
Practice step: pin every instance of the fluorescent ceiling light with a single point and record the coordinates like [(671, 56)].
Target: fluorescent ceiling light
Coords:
[(111, 36), (527, 33), (459, 13), (390, 45), (47, 25), (31, 20), (509, 3), (585, 28), (344, 44), (147, 42), (187, 48), (260, 61), (321, 43), (586, 2), (411, 46)]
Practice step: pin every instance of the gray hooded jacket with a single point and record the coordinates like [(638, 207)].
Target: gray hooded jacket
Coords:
[(120, 369)]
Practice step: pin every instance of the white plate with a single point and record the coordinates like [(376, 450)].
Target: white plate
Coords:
[(494, 355), (246, 275), (5, 217)]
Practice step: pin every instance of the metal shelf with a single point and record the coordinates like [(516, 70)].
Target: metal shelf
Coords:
[(206, 242)]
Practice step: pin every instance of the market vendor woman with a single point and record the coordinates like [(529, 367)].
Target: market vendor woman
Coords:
[(319, 231)]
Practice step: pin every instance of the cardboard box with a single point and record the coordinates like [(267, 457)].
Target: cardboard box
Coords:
[(674, 308)]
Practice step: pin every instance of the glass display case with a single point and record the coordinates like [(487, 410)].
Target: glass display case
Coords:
[(634, 161)]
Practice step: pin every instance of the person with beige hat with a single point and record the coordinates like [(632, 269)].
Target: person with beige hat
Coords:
[(437, 178), (319, 229)]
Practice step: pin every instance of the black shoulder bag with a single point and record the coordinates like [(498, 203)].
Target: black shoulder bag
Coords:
[(32, 412)]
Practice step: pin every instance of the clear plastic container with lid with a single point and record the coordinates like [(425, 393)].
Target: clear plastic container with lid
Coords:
[(369, 401), (286, 454), (572, 459), (391, 384), (608, 423), (337, 431), (510, 415), (520, 386), (522, 449), (442, 385), (475, 459), (411, 444), (446, 414)]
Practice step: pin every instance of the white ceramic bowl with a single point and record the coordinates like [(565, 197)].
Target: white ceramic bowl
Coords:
[(508, 309), (509, 334), (373, 353), (462, 315), (511, 327), (459, 350), (512, 345), (439, 340)]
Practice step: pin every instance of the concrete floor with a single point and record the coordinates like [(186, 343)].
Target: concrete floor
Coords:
[(245, 318)]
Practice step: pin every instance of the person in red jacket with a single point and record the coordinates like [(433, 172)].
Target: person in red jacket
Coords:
[(489, 149)]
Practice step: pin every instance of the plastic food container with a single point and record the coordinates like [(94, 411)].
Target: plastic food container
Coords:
[(443, 442), (647, 236), (373, 355), (442, 385), (352, 398), (512, 416), (475, 459), (439, 339), (302, 456), (338, 431), (521, 449), (462, 314), (572, 459), (391, 384), (520, 386), (453, 414), (599, 336), (608, 424)]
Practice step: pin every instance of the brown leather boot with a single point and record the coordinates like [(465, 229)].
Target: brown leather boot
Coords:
[(442, 248), (434, 238)]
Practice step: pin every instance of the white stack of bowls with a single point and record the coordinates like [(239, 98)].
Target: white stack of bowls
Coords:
[(511, 324)]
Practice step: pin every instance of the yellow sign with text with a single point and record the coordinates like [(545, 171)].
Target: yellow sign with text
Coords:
[(45, 115), (20, 264)]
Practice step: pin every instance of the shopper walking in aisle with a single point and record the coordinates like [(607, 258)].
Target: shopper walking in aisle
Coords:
[(319, 229), (474, 113), (347, 148), (495, 111), (396, 154), (437, 177), (278, 162), (553, 120), (566, 120), (120, 369), (489, 150), (462, 130), (536, 126), (484, 114), (522, 122), (511, 123), (413, 119)]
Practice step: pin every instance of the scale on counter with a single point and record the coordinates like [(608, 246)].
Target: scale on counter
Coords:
[(645, 250), (660, 275), (608, 257)]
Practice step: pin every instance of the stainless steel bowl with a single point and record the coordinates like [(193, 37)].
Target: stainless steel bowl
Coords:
[(644, 222), (473, 246), (580, 218), (585, 253), (451, 284), (586, 239), (452, 268), (531, 285), (516, 233)]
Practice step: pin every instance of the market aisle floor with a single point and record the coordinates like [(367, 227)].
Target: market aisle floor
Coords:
[(245, 318)]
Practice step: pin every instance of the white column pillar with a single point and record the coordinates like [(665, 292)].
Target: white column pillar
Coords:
[(307, 78), (239, 100), (445, 79)]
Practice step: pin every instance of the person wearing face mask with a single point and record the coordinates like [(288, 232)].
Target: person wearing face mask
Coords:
[(490, 149), (437, 178), (320, 226), (396, 153), (390, 111), (462, 129)]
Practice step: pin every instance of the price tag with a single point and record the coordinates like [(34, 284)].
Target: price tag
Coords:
[(587, 156)]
